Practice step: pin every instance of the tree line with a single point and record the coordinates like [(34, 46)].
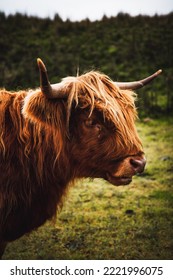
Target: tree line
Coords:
[(123, 47)]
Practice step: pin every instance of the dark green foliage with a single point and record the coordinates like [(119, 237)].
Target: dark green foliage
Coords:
[(123, 47)]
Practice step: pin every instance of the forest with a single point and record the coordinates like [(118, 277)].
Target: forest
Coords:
[(123, 47)]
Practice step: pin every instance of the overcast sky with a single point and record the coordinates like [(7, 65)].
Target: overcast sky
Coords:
[(81, 9)]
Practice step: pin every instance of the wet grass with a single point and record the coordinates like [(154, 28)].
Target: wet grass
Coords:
[(101, 221)]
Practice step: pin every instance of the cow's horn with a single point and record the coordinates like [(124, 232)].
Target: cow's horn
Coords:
[(51, 91), (137, 84)]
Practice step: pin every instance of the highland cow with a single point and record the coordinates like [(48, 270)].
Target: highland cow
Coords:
[(80, 127)]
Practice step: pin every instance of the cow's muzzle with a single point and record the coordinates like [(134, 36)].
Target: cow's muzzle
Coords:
[(138, 164), (126, 169)]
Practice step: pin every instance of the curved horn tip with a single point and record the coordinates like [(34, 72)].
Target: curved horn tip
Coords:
[(159, 71), (41, 65)]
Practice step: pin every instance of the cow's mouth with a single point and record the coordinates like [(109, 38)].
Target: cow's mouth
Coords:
[(117, 181)]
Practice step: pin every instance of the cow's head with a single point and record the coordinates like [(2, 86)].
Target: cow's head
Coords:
[(100, 116)]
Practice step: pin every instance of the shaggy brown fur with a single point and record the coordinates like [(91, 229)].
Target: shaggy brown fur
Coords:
[(45, 144)]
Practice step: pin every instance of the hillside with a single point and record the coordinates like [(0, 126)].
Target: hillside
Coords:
[(123, 47)]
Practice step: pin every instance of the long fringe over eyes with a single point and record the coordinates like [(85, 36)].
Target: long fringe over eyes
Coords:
[(94, 90)]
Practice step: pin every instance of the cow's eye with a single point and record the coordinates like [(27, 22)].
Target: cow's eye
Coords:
[(90, 122), (94, 125)]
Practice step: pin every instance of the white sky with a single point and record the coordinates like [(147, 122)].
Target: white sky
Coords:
[(81, 9)]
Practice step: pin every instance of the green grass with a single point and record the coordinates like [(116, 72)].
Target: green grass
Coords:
[(101, 221)]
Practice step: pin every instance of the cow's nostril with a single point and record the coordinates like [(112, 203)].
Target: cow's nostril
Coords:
[(138, 164)]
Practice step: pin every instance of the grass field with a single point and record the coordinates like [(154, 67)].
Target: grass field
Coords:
[(101, 221)]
